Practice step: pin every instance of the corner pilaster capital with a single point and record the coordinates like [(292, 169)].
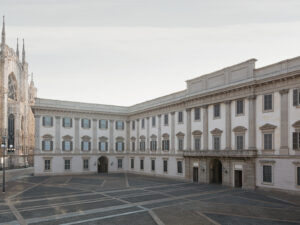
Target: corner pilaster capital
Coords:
[(137, 120), (228, 102), (57, 117), (188, 109), (251, 97), (159, 115), (95, 120), (205, 106), (76, 118), (172, 113), (284, 91)]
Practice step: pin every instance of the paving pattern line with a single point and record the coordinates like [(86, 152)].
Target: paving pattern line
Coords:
[(105, 217), (16, 213), (207, 218), (155, 218), (126, 181), (103, 183), (252, 217), (67, 181)]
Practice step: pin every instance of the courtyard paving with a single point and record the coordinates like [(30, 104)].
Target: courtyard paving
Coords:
[(140, 200)]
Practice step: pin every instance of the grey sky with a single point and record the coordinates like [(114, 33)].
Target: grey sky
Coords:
[(127, 51)]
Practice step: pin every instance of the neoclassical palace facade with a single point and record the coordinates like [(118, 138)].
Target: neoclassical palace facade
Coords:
[(239, 126), (17, 96)]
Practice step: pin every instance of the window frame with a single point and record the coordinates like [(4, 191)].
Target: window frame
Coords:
[(180, 172), (180, 117), (101, 123), (272, 174), (67, 165), (166, 119), (213, 144), (165, 165), (84, 164), (64, 122), (131, 163), (237, 113), (44, 121), (196, 115), (272, 102), (214, 111), (120, 163), (142, 166), (153, 166)]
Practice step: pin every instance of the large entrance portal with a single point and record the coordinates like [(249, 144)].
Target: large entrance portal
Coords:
[(195, 174), (103, 164), (216, 171), (238, 177)]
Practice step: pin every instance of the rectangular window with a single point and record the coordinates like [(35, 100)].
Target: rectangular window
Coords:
[(180, 144), (165, 145), (298, 175), (180, 117), (153, 121), (217, 112), (133, 125), (267, 174), (152, 164), (85, 164), (103, 124), (165, 166), (268, 142), (67, 122), (85, 123), (179, 166), (296, 97), (85, 145), (119, 146), (67, 145), (141, 164), (197, 113), (133, 146), (142, 145), (103, 146), (47, 164), (239, 142), (166, 119), (197, 143), (143, 123), (47, 121), (47, 145), (216, 142), (67, 164), (153, 145), (120, 163), (239, 107), (268, 102), (119, 125), (132, 163), (296, 140)]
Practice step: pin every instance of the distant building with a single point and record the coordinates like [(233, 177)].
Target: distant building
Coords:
[(17, 96)]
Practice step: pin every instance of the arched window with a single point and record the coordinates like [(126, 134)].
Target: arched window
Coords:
[(12, 87), (11, 130)]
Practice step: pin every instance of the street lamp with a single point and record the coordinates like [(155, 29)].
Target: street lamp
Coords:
[(3, 162)]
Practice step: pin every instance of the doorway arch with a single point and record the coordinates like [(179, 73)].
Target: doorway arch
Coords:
[(216, 171), (103, 164)]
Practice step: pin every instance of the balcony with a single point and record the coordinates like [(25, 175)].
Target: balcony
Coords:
[(221, 153)]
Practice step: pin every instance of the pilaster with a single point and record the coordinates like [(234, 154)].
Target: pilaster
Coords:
[(188, 129), (228, 125), (284, 118), (138, 135), (57, 134), (37, 119), (111, 136), (205, 127), (76, 139), (252, 122), (127, 135), (148, 135), (95, 135), (173, 132)]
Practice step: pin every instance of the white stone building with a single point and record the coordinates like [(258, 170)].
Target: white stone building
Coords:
[(239, 126)]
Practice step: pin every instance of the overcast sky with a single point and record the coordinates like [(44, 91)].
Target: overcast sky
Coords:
[(123, 52)]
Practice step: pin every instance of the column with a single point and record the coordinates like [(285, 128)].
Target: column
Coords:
[(228, 125), (205, 127), (76, 139), (148, 135), (127, 135), (159, 133), (173, 132), (284, 118), (37, 133), (95, 136), (111, 136), (138, 135), (57, 135), (252, 122), (188, 129)]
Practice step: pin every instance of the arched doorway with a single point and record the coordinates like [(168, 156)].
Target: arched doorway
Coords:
[(103, 164), (216, 171)]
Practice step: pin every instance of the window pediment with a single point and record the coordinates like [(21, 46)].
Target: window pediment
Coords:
[(103, 139), (47, 136), (180, 134), (197, 132), (142, 137), (119, 138), (67, 137), (239, 129), (132, 138), (268, 126), (153, 136), (216, 131), (165, 136), (86, 138), (296, 124)]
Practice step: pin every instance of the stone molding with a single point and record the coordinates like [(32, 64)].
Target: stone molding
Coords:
[(216, 131), (180, 134), (296, 124), (268, 126), (197, 133), (239, 129)]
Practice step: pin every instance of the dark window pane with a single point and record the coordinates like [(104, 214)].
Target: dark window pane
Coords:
[(267, 174)]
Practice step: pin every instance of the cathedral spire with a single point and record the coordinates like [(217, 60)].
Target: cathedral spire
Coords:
[(23, 53), (17, 51), (31, 82), (3, 31)]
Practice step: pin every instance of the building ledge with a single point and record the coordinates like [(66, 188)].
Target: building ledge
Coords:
[(221, 153)]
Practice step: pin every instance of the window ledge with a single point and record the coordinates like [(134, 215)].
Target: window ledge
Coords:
[(268, 111), (268, 151), (267, 183)]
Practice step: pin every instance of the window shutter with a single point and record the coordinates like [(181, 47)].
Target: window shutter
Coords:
[(295, 140), (63, 122), (89, 146), (51, 121), (116, 146), (51, 145), (106, 122), (43, 121), (295, 97), (82, 145), (81, 122), (43, 145), (116, 125), (71, 122), (89, 123), (63, 145), (71, 145), (99, 145), (122, 146), (106, 146)]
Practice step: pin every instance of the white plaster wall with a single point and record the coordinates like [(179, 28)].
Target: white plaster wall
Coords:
[(165, 128), (180, 127), (66, 130), (154, 130), (239, 121), (284, 174), (294, 116), (268, 117), (216, 123), (85, 131)]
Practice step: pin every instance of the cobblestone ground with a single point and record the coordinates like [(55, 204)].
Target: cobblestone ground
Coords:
[(141, 200)]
